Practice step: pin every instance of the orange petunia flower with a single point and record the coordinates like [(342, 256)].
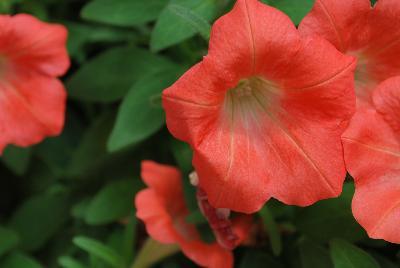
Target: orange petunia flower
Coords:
[(32, 99), (264, 111), (163, 210), (372, 146), (372, 141), (369, 33)]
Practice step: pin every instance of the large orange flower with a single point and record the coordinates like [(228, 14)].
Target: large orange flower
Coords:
[(372, 146), (32, 99), (163, 210), (264, 111), (371, 34), (372, 141)]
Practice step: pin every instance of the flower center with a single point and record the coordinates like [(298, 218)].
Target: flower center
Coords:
[(250, 98), (363, 81)]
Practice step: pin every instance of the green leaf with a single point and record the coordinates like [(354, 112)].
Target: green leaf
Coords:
[(17, 159), (109, 76), (20, 260), (198, 23), (8, 240), (39, 218), (113, 202), (183, 154), (272, 229), (140, 114), (346, 255), (172, 28), (68, 262), (313, 255), (295, 9), (80, 34), (196, 217), (99, 250), (122, 12), (331, 218), (258, 259)]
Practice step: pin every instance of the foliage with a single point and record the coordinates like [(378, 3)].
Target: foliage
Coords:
[(68, 201)]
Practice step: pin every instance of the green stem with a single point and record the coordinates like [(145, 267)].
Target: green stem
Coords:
[(152, 252)]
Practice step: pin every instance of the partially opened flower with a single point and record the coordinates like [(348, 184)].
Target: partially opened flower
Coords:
[(163, 210), (32, 99), (372, 146), (264, 111), (370, 33)]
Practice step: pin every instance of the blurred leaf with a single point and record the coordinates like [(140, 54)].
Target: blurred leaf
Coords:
[(80, 34), (68, 262), (91, 151), (99, 250), (113, 202), (183, 155), (109, 76), (384, 262), (313, 255), (172, 28), (258, 259), (331, 218), (130, 237), (295, 9), (122, 12), (140, 114), (198, 23), (346, 255), (39, 218), (20, 260), (17, 159), (79, 209), (272, 229), (8, 240)]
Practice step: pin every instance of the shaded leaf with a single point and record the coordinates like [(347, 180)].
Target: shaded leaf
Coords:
[(8, 240), (17, 159), (39, 218), (346, 255), (99, 250), (331, 218), (313, 255), (122, 12), (172, 28), (111, 203), (20, 260), (68, 262), (140, 113), (272, 229), (109, 76)]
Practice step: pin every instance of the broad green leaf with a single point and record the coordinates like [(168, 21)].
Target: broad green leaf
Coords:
[(17, 159), (39, 218), (20, 260), (111, 203), (254, 258), (272, 228), (198, 23), (140, 114), (331, 218), (313, 255), (8, 240), (346, 255), (172, 28), (109, 76), (68, 262), (295, 9), (98, 249), (122, 12)]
